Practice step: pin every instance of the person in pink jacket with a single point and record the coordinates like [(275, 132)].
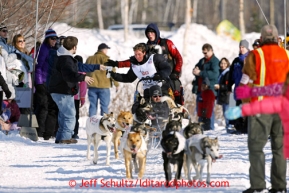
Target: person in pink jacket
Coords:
[(79, 99), (276, 104)]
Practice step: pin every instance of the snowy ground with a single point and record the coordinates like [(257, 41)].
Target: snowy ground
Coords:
[(44, 166)]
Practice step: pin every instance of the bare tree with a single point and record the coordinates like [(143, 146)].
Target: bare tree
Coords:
[(216, 18), (272, 8), (241, 17), (144, 11), (132, 10), (223, 10), (195, 11), (176, 11), (99, 14), (167, 10), (125, 13), (19, 16), (186, 33)]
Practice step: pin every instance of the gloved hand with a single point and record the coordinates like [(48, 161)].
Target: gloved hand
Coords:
[(112, 74), (8, 94), (243, 92), (233, 113), (174, 76), (157, 77), (111, 63)]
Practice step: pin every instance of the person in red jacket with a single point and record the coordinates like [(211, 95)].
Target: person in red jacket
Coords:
[(206, 104), (167, 48)]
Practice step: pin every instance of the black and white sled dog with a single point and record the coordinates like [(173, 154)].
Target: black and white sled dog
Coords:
[(100, 128), (173, 145), (192, 129), (201, 150)]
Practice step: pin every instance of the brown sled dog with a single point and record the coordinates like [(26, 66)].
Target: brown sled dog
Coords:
[(123, 122)]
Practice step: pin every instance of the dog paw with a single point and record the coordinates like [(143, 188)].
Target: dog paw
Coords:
[(108, 164), (208, 182), (94, 162)]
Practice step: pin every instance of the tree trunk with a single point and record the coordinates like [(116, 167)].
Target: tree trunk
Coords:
[(125, 18), (272, 10), (241, 18), (195, 11), (99, 14), (187, 28), (216, 16), (144, 11), (131, 11), (175, 18), (224, 10), (169, 3)]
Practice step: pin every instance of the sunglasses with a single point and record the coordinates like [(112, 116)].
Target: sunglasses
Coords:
[(21, 41), (5, 31), (54, 38), (155, 96)]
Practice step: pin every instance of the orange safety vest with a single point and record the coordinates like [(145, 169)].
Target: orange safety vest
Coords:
[(272, 66)]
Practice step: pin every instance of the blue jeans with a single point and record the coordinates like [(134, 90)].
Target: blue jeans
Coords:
[(103, 94), (66, 115), (225, 107), (213, 113)]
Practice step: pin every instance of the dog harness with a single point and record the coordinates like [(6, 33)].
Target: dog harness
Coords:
[(146, 70), (95, 122), (195, 141)]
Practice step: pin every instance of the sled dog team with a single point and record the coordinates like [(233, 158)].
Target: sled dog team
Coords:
[(183, 148)]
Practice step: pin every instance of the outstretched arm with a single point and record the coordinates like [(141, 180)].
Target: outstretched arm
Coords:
[(269, 90), (267, 106)]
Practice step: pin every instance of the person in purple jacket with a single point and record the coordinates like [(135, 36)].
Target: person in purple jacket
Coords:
[(41, 71)]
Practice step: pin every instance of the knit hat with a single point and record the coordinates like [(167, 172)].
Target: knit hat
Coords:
[(256, 43), (155, 90), (50, 33), (269, 32), (2, 26), (103, 46), (245, 44)]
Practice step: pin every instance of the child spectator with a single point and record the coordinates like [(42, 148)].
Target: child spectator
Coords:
[(222, 88), (79, 99), (206, 104)]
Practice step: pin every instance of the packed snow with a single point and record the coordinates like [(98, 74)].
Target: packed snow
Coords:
[(44, 166)]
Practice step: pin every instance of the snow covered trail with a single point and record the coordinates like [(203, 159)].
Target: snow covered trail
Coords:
[(44, 166)]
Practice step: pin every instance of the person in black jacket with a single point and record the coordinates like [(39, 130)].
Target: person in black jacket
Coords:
[(64, 85), (160, 110), (154, 68), (222, 88)]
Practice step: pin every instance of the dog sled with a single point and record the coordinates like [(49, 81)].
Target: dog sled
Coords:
[(154, 132)]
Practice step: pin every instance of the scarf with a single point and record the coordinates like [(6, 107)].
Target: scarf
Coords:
[(222, 74), (243, 56)]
